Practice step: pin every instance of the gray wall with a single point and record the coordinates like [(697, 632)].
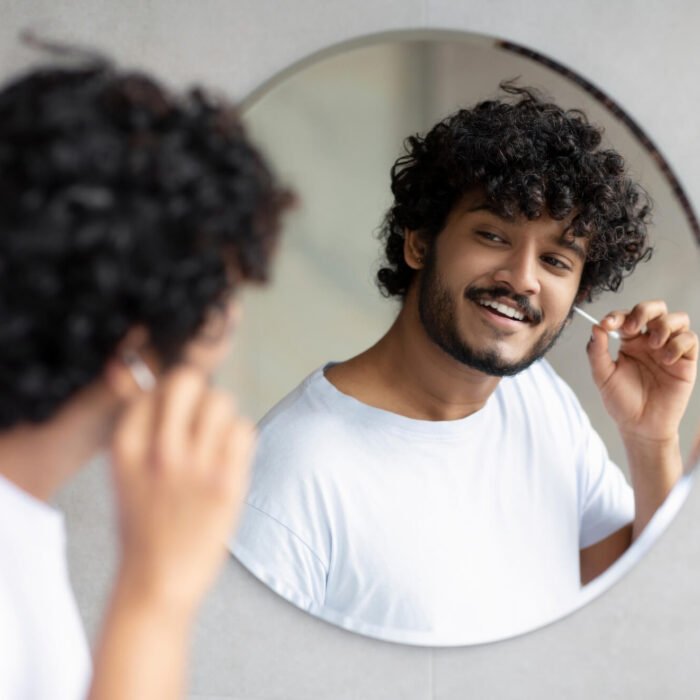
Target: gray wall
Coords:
[(640, 639)]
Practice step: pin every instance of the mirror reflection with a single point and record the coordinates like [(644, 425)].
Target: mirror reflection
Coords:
[(449, 455)]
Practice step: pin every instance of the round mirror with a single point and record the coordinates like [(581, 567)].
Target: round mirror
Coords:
[(441, 552)]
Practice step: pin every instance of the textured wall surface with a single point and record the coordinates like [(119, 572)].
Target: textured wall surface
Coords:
[(638, 640)]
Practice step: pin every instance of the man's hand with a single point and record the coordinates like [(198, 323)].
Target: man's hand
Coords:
[(646, 391), (180, 463), (180, 460)]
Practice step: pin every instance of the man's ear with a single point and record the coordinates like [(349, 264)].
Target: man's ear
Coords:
[(119, 372), (415, 249)]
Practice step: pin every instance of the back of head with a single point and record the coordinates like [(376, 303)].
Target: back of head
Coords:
[(121, 205), (530, 158)]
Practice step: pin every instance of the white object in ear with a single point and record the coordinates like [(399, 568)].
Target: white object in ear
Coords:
[(140, 371)]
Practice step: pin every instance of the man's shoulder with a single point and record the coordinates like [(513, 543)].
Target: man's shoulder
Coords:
[(311, 420), (305, 442), (311, 405)]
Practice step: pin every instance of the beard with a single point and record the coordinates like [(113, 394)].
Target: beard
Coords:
[(438, 315)]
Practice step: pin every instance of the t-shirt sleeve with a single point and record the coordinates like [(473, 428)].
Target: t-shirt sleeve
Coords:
[(283, 537), (280, 558), (606, 500)]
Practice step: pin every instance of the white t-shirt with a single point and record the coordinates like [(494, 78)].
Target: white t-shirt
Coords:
[(430, 532), (43, 650)]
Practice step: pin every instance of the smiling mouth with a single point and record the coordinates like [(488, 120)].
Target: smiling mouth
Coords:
[(504, 310)]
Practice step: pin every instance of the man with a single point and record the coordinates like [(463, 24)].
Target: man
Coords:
[(444, 486), (129, 217)]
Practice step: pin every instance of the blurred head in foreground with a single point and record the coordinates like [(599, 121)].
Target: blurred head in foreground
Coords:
[(129, 218)]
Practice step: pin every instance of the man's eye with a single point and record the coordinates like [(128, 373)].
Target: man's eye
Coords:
[(555, 262), (490, 236)]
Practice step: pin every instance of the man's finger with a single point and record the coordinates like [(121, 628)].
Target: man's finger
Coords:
[(602, 364), (660, 329), (133, 436), (237, 454), (614, 320), (213, 420), (179, 400), (681, 346), (641, 315)]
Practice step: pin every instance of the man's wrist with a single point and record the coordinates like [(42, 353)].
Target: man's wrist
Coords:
[(648, 443), (159, 605), (655, 466)]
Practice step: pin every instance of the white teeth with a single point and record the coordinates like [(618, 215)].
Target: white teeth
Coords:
[(503, 309)]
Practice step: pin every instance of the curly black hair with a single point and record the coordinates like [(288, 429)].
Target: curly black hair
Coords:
[(530, 158), (121, 204)]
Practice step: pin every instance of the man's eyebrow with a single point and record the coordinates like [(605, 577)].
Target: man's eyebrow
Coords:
[(574, 247), (485, 206)]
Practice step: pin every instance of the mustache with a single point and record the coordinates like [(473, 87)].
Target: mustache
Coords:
[(478, 293)]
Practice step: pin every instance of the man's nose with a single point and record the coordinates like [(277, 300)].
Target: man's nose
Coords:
[(520, 271)]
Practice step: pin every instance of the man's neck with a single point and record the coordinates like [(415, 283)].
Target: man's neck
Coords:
[(40, 459), (408, 374)]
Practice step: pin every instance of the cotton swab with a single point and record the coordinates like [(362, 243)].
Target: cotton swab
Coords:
[(140, 371), (590, 318)]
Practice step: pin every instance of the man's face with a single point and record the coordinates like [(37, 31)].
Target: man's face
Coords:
[(496, 293)]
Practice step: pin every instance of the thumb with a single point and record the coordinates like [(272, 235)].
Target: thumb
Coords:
[(602, 364)]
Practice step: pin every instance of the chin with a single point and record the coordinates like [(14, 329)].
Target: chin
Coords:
[(491, 362)]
